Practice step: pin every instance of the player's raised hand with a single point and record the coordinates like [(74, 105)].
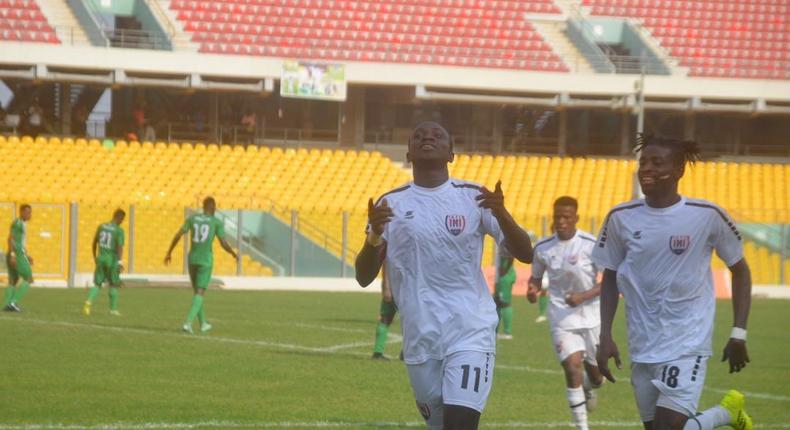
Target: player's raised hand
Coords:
[(574, 299), (606, 350), (379, 216), (495, 201), (736, 352)]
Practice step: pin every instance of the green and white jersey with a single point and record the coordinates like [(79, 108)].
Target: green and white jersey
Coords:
[(202, 229), (19, 235), (109, 237)]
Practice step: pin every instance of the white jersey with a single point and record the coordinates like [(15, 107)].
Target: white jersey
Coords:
[(570, 270), (662, 258), (434, 246)]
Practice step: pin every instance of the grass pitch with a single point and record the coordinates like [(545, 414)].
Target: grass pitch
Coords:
[(301, 361)]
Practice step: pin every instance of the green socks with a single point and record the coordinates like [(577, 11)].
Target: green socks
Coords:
[(197, 303), (201, 315), (543, 302), (506, 317), (20, 292), (381, 337), (9, 294), (92, 293), (113, 298)]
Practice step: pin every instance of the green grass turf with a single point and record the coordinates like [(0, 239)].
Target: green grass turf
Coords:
[(270, 363)]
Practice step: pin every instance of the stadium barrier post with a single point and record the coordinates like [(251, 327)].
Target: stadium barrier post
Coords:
[(294, 221), (73, 223), (544, 228), (186, 248), (344, 250), (783, 254), (239, 219), (130, 252)]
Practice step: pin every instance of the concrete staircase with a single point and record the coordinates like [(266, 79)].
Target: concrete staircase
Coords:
[(554, 33), (62, 19), (182, 41)]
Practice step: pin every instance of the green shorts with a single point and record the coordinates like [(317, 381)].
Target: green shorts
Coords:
[(388, 309), (107, 270), (503, 290), (199, 275), (22, 269)]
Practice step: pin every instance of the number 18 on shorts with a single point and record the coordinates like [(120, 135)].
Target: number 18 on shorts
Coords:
[(675, 385), (463, 378)]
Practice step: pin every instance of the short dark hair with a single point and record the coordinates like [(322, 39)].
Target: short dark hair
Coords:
[(119, 213), (209, 201), (24, 206), (566, 201), (683, 151)]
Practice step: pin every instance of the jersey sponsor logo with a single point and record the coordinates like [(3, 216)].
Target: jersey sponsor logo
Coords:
[(455, 224), (424, 409), (679, 244), (409, 215), (638, 234)]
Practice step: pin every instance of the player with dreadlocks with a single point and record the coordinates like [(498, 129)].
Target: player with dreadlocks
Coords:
[(656, 251)]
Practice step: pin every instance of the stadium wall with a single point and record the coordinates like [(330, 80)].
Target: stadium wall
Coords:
[(192, 65)]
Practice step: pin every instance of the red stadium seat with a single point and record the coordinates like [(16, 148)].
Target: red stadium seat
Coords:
[(455, 32), (715, 38)]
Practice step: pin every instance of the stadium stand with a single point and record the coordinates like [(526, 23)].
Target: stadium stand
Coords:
[(444, 32), (162, 179), (733, 39), (23, 21)]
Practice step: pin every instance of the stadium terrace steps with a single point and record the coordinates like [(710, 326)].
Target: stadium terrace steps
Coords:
[(64, 22), (554, 34), (160, 180), (733, 38), (182, 41), (23, 21)]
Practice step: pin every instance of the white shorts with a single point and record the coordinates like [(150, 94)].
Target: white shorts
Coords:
[(675, 385), (463, 378), (566, 342)]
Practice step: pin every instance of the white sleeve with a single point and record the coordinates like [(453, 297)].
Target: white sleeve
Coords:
[(726, 238), (491, 227), (538, 267), (609, 252)]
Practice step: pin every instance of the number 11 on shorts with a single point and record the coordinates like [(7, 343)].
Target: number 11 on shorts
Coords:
[(465, 377)]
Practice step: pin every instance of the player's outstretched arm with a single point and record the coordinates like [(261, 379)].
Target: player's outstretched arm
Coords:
[(371, 257), (173, 244), (607, 349), (735, 350), (575, 299), (227, 248), (517, 240)]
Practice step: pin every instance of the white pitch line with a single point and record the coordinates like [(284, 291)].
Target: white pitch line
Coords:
[(324, 424), (333, 349)]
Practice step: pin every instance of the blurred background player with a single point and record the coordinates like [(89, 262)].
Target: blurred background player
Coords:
[(202, 229), (108, 241), (656, 252), (19, 262), (503, 293), (430, 232), (573, 310), (387, 312)]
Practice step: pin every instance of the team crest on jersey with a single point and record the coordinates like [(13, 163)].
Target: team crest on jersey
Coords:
[(424, 409), (679, 244), (573, 259), (455, 224)]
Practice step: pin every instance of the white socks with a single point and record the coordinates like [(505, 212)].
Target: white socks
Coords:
[(708, 420), (577, 403)]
